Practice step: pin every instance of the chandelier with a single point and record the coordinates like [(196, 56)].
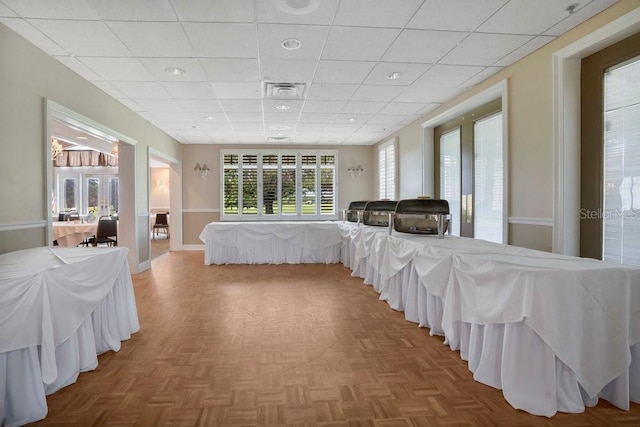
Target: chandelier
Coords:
[(56, 149)]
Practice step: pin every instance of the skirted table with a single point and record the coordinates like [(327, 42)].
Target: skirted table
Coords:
[(59, 309)]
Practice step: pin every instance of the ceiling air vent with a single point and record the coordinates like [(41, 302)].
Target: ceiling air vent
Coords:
[(284, 90)]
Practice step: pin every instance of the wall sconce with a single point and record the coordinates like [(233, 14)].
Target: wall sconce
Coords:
[(355, 170), (161, 183), (201, 171)]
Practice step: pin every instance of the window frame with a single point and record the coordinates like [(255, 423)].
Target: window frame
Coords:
[(383, 181), (260, 214)]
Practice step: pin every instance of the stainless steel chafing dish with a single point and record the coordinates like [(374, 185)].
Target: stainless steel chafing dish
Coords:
[(376, 212), (422, 216), (354, 212)]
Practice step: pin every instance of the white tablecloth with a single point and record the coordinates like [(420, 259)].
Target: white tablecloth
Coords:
[(59, 308), (553, 332), (271, 242), (72, 234)]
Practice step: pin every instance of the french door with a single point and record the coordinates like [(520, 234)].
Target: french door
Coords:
[(469, 173)]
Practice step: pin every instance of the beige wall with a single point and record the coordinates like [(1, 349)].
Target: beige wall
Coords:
[(201, 197), (27, 77), (530, 115), (159, 189)]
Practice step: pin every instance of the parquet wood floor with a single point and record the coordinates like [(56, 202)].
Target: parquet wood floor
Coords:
[(242, 345)]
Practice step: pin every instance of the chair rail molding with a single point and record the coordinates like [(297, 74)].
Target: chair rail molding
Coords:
[(22, 225)]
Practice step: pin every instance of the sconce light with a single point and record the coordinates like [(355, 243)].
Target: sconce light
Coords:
[(355, 170), (201, 171), (161, 183)]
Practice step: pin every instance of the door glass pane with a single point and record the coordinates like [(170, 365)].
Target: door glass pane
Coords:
[(249, 184), (112, 186), (487, 198), (69, 196), (288, 191), (308, 184), (621, 206), (93, 196), (450, 176), (270, 184), (230, 190)]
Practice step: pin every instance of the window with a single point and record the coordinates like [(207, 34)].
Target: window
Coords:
[(86, 191), (387, 170), (278, 185), (450, 176), (621, 192)]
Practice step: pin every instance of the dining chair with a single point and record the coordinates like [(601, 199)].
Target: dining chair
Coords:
[(162, 223), (107, 233)]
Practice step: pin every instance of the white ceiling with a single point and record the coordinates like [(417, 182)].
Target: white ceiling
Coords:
[(229, 48)]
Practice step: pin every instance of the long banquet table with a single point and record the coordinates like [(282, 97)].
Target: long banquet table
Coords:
[(59, 309), (285, 242), (554, 333)]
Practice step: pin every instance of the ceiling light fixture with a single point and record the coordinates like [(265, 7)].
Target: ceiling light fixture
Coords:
[(297, 7), (396, 75), (282, 107), (208, 117), (291, 44), (352, 119), (279, 127), (175, 71)]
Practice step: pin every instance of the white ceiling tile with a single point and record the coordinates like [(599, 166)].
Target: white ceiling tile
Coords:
[(280, 117), (311, 37), (358, 43), (6, 12), (47, 9), (189, 90), (138, 10), (429, 107), (437, 84), (386, 119), (480, 77), (245, 117), (323, 15), (423, 46), (241, 105), (150, 90), (376, 93), (214, 11), (401, 108), (373, 128), (524, 50), (212, 39), (582, 14), (108, 88), (250, 134), (78, 67), (331, 136), (459, 15), (484, 49), (312, 106), (118, 69), (343, 127), (352, 118), (200, 105), (329, 92), (343, 71), (316, 118), (242, 126), (33, 35), (231, 69), (287, 70), (310, 127), (130, 104), (233, 90), (158, 67), (270, 105), (158, 105), (363, 138), (96, 38), (304, 139), (410, 72), (213, 118), (361, 107), (280, 127), (375, 13), (527, 17), (149, 39)]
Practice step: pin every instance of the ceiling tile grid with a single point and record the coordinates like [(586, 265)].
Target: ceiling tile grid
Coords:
[(197, 69)]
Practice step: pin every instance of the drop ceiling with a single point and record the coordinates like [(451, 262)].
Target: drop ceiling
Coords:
[(230, 49)]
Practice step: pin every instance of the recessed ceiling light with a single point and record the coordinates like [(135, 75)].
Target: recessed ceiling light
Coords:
[(291, 44), (175, 71), (82, 137), (208, 117), (396, 75), (282, 107), (352, 119)]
